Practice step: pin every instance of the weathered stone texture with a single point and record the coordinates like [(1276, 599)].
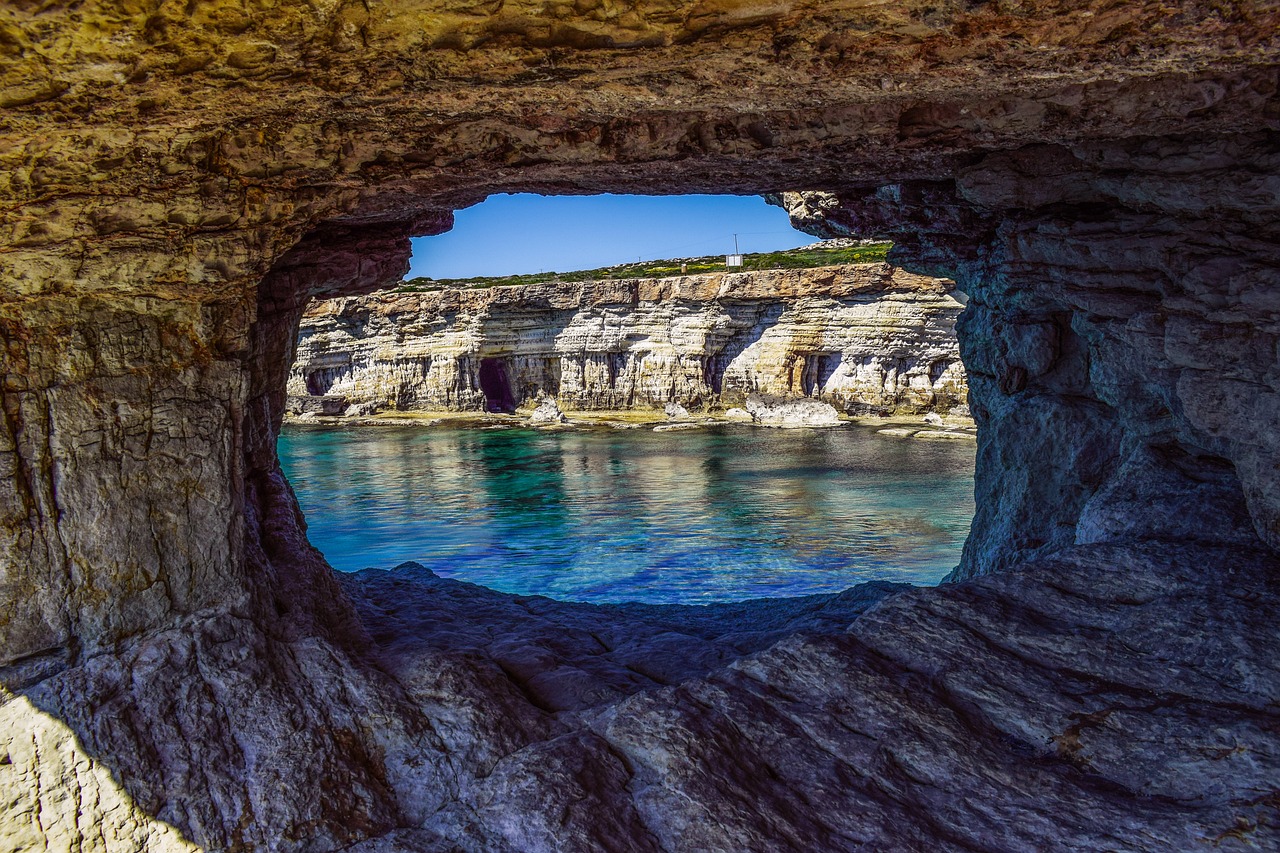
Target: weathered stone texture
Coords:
[(1124, 356), (866, 339), (179, 178)]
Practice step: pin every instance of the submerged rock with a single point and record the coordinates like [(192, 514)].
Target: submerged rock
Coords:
[(943, 434)]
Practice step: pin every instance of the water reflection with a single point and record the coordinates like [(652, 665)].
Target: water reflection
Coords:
[(722, 514)]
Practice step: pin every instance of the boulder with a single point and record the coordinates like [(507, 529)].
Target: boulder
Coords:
[(792, 413), (359, 410), (303, 404), (547, 412)]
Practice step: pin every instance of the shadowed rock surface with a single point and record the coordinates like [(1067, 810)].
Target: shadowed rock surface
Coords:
[(565, 656), (985, 702), (178, 663)]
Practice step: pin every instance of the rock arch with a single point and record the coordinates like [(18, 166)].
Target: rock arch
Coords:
[(181, 177)]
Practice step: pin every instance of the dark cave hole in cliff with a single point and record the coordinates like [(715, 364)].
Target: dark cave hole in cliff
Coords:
[(318, 382), (495, 384)]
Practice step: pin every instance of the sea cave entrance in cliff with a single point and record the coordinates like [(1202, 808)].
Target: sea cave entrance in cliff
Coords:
[(495, 384), (615, 431)]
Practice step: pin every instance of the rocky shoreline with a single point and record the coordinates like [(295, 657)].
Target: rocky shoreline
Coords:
[(782, 416)]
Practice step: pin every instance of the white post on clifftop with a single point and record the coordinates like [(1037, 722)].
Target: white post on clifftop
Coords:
[(734, 260)]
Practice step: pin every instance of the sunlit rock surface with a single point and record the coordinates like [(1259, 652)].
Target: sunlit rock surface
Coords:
[(863, 338), (791, 413), (93, 811), (1100, 178)]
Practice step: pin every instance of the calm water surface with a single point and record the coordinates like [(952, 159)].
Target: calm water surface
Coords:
[(721, 514)]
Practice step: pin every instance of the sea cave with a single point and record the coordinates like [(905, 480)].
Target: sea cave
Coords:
[(180, 669)]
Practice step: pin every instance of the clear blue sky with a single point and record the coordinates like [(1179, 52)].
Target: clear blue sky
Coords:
[(514, 234)]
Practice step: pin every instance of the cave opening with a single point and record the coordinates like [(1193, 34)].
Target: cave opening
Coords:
[(592, 512), (318, 383), (815, 371), (563, 237), (495, 384)]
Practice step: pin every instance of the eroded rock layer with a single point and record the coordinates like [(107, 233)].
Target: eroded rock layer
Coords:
[(864, 338), (179, 667)]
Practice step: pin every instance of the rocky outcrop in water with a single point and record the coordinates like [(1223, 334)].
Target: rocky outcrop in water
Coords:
[(791, 413), (178, 667), (863, 338)]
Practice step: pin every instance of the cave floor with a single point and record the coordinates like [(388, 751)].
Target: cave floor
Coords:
[(1110, 697)]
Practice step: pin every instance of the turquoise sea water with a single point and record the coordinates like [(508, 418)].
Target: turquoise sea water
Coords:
[(722, 514)]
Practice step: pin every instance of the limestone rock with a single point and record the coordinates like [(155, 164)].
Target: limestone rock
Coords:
[(42, 752), (1106, 365), (792, 413), (943, 434), (676, 412), (547, 412), (361, 410), (863, 338), (304, 404), (180, 667)]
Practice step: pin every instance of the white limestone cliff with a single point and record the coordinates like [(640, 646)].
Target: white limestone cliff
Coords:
[(864, 338)]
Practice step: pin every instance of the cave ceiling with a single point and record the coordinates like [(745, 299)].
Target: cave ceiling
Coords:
[(175, 119)]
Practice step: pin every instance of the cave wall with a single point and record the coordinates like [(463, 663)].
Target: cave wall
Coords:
[(867, 339), (180, 177), (1121, 336)]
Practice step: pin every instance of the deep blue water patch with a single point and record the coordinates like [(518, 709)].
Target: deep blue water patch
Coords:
[(722, 514)]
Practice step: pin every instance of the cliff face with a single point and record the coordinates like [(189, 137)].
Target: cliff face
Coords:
[(864, 338), (177, 663)]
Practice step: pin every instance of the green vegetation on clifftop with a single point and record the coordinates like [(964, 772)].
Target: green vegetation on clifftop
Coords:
[(802, 258)]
